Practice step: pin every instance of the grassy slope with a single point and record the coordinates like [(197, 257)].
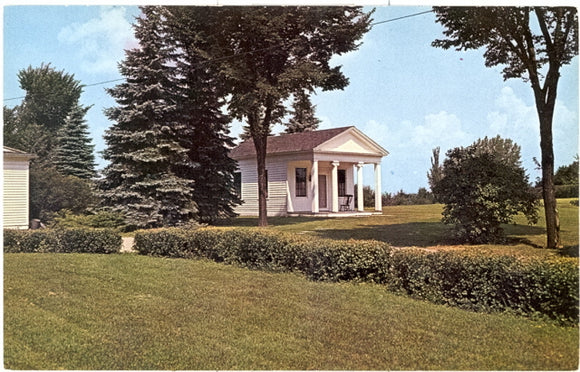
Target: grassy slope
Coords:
[(420, 226), (71, 311)]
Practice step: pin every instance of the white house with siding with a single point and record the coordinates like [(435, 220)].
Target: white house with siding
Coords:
[(310, 172), (15, 189)]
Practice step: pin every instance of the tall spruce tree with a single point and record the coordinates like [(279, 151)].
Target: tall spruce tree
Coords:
[(303, 115), (74, 154), (147, 178), (206, 127)]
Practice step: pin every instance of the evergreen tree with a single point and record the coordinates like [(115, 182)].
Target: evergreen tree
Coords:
[(303, 115), (145, 178), (206, 128), (74, 153)]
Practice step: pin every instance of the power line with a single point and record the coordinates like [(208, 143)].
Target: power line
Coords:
[(248, 52), (88, 85), (403, 17)]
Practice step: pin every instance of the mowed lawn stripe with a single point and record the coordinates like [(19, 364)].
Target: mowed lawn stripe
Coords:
[(81, 311)]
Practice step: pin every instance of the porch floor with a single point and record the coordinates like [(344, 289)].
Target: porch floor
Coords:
[(325, 214)]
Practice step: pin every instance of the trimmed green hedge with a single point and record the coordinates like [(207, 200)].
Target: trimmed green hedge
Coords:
[(319, 259), (62, 241), (489, 282), (475, 282)]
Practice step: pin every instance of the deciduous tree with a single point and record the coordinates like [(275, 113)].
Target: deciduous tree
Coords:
[(434, 174), (266, 54), (33, 125), (533, 43)]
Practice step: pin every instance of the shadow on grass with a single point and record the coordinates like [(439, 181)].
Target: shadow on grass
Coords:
[(272, 221), (419, 234), (424, 234), (570, 251)]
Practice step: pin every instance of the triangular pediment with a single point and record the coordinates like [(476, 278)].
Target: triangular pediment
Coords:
[(352, 141)]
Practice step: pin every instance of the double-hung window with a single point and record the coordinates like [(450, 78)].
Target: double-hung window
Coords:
[(341, 182), (300, 181)]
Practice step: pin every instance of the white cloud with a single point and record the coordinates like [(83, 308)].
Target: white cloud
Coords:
[(101, 41), (565, 132), (512, 118), (441, 129)]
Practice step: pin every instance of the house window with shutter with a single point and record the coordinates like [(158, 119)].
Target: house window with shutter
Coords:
[(301, 182)]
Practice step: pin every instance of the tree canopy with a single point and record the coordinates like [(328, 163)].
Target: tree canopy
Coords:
[(50, 97), (567, 174)]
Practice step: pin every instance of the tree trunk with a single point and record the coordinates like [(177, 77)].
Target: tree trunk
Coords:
[(260, 142), (548, 189), (259, 130), (545, 103)]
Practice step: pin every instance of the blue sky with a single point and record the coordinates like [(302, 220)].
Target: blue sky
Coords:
[(406, 95)]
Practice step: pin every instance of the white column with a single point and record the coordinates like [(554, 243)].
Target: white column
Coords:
[(334, 177), (314, 184), (378, 192), (359, 187)]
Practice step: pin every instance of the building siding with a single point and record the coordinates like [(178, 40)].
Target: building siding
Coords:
[(15, 195), (277, 188)]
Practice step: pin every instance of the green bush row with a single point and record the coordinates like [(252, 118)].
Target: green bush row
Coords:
[(62, 241), (475, 282), (489, 282), (319, 259)]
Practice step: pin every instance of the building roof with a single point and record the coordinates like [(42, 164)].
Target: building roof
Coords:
[(13, 153), (284, 143)]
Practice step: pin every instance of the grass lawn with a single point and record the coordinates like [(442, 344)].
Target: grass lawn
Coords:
[(124, 311), (420, 226)]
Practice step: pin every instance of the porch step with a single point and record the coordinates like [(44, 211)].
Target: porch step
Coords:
[(334, 214)]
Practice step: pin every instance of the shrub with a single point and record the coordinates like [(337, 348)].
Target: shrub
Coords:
[(489, 283), (62, 241), (484, 186), (98, 220), (50, 192)]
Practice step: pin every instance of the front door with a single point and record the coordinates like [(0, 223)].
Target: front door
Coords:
[(322, 202)]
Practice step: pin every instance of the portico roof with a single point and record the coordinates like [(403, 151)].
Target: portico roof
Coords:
[(345, 139)]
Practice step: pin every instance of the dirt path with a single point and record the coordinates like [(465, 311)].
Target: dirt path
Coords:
[(128, 244)]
